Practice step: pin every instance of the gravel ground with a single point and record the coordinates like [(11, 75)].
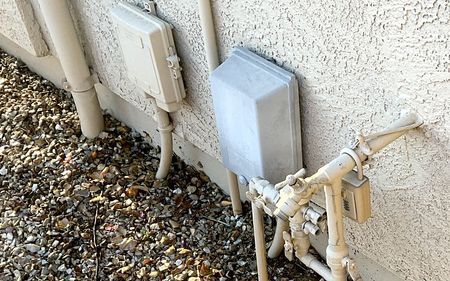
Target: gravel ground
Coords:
[(79, 209)]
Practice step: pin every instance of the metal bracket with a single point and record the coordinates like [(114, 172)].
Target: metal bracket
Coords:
[(83, 87), (260, 203), (150, 7), (350, 265)]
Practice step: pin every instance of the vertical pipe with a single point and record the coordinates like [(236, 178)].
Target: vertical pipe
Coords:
[(165, 132), (278, 242), (62, 31), (337, 249), (209, 35), (234, 193), (212, 57), (258, 229)]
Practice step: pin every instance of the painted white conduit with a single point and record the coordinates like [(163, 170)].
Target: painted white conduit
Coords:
[(260, 244), (277, 246), (165, 132), (209, 38), (79, 80)]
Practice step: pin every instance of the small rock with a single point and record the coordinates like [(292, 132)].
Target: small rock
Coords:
[(3, 171), (141, 272), (33, 248), (191, 189), (62, 267), (9, 236), (31, 239)]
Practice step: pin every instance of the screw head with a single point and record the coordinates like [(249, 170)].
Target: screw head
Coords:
[(243, 180)]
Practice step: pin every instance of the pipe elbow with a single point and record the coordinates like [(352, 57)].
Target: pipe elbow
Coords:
[(165, 129), (278, 242)]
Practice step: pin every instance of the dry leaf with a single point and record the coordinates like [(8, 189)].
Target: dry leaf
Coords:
[(204, 269), (133, 191), (183, 251), (148, 261), (117, 206)]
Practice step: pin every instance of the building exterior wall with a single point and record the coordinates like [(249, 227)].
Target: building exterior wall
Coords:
[(359, 64), (17, 21)]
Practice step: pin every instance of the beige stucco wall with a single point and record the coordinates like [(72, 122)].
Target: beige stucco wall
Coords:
[(18, 23), (359, 64)]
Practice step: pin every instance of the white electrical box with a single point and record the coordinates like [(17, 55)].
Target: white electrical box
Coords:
[(150, 55), (258, 117), (356, 197)]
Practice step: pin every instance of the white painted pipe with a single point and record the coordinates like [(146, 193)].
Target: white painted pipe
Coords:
[(80, 83), (313, 263), (344, 163), (212, 57), (165, 131), (278, 242), (337, 249), (329, 176), (234, 193), (209, 34), (260, 244)]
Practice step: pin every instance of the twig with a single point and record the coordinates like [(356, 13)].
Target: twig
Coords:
[(214, 220), (94, 240)]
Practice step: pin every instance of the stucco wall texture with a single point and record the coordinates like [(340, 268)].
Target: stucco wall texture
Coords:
[(359, 64), (18, 23)]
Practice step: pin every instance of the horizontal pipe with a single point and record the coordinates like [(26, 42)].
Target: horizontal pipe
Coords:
[(344, 163)]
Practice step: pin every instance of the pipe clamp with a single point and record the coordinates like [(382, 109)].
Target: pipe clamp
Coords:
[(84, 86)]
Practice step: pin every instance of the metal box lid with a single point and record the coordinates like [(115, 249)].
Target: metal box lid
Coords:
[(258, 117), (149, 55)]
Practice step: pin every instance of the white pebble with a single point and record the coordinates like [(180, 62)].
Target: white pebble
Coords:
[(9, 236), (31, 238), (3, 171), (33, 248)]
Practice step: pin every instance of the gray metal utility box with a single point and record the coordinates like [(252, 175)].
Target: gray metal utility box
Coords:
[(258, 117)]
